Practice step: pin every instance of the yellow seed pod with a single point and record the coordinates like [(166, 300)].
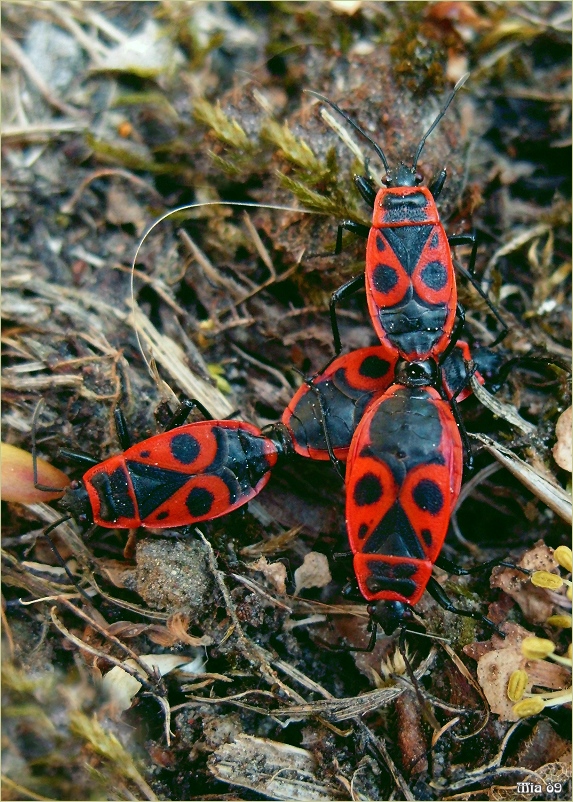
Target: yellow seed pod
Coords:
[(562, 621), (537, 648), (529, 707), (569, 593), (543, 579), (564, 557), (516, 685), (569, 652), (18, 477)]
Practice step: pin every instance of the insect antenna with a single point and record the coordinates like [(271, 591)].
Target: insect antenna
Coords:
[(60, 559), (355, 125), (425, 706), (458, 86), (37, 485)]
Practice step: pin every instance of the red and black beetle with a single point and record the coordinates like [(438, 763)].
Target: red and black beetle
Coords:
[(409, 275)]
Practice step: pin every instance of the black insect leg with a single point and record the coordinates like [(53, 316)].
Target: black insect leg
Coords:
[(60, 559), (323, 416), (347, 289), (456, 333), (437, 592), (372, 628), (121, 429), (37, 485), (184, 410), (366, 189), (424, 704), (447, 565), (78, 456), (466, 239), (469, 275), (438, 185), (524, 361), (468, 459), (349, 225)]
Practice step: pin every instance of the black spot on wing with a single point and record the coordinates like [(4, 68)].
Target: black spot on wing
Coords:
[(199, 501), (367, 490), (434, 275), (185, 448), (428, 496), (373, 367), (384, 278), (362, 531), (427, 537)]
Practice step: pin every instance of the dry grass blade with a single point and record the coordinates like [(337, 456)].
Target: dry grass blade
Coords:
[(504, 411), (170, 355), (283, 771), (554, 496), (353, 707)]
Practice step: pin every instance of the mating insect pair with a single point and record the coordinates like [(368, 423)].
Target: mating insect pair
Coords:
[(400, 440)]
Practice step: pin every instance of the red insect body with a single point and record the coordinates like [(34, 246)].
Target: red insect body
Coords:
[(349, 384), (346, 387), (193, 473), (403, 478), (410, 281)]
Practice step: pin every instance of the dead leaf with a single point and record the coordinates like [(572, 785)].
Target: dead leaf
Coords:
[(275, 573), (536, 604), (313, 573), (562, 450)]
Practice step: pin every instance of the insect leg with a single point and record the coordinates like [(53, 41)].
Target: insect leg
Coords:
[(366, 189), (469, 460), (524, 361), (447, 565), (466, 239), (122, 431), (438, 593), (456, 333), (438, 184), (349, 225), (347, 289), (78, 456), (373, 628), (37, 485), (60, 559), (469, 275), (323, 415), (183, 411)]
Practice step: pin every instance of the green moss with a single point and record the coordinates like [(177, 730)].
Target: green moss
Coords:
[(333, 205), (127, 156), (225, 128), (294, 149)]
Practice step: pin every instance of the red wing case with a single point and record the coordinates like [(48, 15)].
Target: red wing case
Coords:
[(403, 478), (193, 473), (410, 281), (346, 388)]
